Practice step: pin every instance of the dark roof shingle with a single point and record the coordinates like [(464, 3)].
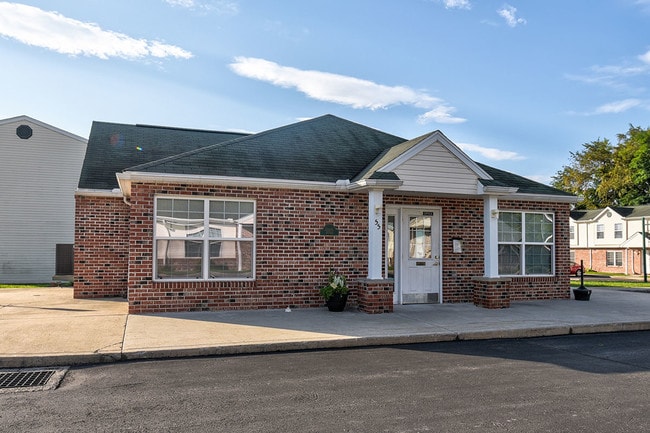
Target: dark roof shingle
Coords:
[(112, 147)]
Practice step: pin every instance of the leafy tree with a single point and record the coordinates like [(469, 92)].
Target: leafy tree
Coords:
[(585, 172), (606, 175)]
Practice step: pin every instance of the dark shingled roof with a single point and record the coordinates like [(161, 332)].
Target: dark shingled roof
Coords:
[(624, 211), (633, 211), (526, 186), (112, 147), (324, 149)]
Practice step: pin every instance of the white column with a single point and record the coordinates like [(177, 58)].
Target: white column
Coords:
[(491, 236), (375, 231)]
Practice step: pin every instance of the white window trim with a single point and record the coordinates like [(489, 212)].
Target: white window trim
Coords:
[(616, 254), (618, 233), (600, 231), (206, 244), (523, 244)]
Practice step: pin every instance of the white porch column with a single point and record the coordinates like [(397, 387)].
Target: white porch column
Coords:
[(375, 226), (491, 236)]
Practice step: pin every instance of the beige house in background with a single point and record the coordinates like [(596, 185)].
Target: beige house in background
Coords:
[(610, 239), (39, 172)]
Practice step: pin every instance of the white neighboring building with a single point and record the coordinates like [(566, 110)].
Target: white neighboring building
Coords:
[(39, 171), (610, 239)]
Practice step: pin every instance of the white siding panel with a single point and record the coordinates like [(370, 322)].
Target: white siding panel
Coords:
[(38, 177), (435, 169)]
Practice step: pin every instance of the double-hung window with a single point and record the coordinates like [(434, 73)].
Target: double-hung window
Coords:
[(618, 231), (526, 243), (614, 258), (204, 239)]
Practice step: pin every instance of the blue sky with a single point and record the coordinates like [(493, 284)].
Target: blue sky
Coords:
[(517, 84)]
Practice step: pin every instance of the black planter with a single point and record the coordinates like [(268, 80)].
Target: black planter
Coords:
[(581, 294), (336, 302)]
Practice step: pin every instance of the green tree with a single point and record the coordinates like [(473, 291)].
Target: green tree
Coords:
[(606, 175), (585, 172)]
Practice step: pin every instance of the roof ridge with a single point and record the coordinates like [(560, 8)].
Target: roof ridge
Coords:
[(250, 137)]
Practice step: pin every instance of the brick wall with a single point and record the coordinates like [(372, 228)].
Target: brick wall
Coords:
[(101, 248), (596, 259), (293, 259), (114, 250)]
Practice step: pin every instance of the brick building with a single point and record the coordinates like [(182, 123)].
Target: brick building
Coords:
[(610, 239), (188, 220)]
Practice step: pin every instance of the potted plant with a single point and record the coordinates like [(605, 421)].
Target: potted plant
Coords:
[(335, 292)]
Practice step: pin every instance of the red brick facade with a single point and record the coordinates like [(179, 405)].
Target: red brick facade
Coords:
[(101, 247), (114, 251), (596, 259)]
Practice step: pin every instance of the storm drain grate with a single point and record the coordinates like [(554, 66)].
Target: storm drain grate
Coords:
[(29, 379)]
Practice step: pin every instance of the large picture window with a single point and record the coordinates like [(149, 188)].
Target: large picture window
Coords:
[(526, 243), (204, 239)]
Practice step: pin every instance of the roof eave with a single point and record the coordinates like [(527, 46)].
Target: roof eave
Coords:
[(125, 179), (89, 192), (367, 184), (540, 197)]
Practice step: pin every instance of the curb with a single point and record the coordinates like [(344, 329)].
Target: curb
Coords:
[(344, 343)]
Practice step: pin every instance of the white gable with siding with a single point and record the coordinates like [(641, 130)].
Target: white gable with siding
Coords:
[(39, 172), (436, 165)]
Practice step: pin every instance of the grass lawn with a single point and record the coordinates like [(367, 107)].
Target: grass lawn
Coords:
[(613, 284), (32, 286)]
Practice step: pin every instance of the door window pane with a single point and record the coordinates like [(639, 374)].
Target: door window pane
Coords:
[(420, 237)]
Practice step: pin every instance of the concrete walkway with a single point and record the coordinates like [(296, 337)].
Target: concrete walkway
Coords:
[(47, 327)]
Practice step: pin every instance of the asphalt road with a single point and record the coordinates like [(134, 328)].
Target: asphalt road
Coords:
[(583, 383)]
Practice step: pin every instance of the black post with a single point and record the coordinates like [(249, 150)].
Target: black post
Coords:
[(582, 293)]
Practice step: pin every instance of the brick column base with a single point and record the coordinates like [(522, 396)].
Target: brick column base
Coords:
[(376, 296), (492, 293)]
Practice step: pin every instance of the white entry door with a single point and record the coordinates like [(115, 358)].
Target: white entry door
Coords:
[(420, 256)]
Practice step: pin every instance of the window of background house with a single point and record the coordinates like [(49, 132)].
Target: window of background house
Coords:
[(572, 232), (618, 231), (526, 243), (204, 239), (614, 258), (600, 231)]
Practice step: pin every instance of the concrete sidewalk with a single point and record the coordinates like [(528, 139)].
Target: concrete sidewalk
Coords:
[(47, 327)]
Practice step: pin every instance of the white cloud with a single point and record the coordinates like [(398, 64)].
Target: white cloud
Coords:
[(645, 58), (344, 90), (224, 7), (457, 4), (618, 106), (509, 13), (51, 30), (491, 153)]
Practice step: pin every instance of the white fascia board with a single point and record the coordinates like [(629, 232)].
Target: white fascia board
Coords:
[(540, 197), (365, 184), (496, 190), (447, 143), (124, 179), (87, 192)]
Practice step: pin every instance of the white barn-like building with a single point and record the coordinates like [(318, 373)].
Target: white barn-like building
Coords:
[(39, 172)]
